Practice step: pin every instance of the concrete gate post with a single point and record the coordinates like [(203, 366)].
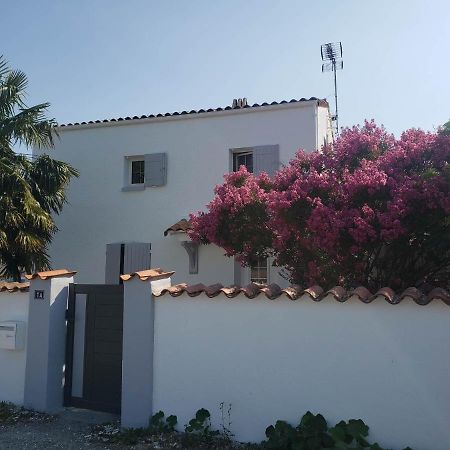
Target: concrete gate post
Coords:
[(138, 342), (46, 340)]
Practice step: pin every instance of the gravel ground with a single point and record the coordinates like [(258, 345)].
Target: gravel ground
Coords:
[(74, 429), (68, 430)]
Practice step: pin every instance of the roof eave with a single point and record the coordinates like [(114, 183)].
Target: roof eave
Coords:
[(292, 104)]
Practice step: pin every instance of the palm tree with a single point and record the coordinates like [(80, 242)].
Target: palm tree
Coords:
[(31, 189)]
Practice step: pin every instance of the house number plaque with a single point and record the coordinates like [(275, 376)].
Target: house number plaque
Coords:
[(39, 295)]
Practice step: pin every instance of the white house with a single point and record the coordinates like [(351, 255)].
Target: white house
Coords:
[(112, 347), (141, 175)]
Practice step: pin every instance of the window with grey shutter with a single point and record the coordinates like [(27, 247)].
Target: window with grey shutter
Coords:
[(137, 256), (113, 263), (243, 159), (155, 169), (126, 258), (266, 158), (137, 172)]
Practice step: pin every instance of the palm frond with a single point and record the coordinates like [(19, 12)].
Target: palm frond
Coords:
[(29, 127), (49, 179), (30, 190), (4, 69), (12, 92)]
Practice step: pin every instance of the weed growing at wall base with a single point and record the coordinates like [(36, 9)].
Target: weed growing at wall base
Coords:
[(159, 424), (11, 414), (312, 433)]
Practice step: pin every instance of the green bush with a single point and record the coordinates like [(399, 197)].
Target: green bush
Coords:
[(313, 433), (159, 425), (201, 423)]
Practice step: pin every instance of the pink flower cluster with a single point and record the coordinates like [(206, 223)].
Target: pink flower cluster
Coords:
[(368, 208), (237, 217)]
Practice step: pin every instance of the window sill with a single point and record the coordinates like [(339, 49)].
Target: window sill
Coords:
[(137, 187)]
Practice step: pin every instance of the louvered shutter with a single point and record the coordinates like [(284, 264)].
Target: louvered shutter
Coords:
[(155, 169), (112, 265), (137, 256), (266, 158)]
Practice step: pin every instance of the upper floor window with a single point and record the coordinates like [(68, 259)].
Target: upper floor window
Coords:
[(142, 171), (262, 158), (243, 159), (137, 172)]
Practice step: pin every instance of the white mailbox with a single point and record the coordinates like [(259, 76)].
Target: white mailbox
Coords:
[(12, 335)]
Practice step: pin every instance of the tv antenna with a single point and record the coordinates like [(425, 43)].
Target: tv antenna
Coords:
[(332, 61)]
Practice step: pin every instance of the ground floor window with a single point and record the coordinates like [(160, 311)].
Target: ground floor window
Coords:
[(259, 271)]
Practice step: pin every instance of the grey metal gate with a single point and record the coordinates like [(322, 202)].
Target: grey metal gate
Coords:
[(102, 362)]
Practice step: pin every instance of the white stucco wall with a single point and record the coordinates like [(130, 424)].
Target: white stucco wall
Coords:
[(272, 360), (13, 307), (324, 127), (46, 344), (197, 148)]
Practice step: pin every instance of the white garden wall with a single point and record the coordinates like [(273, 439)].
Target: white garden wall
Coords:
[(277, 359), (13, 307)]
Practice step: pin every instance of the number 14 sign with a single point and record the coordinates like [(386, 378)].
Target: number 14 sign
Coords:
[(39, 295)]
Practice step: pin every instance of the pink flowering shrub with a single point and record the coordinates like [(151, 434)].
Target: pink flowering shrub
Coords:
[(369, 209), (237, 219)]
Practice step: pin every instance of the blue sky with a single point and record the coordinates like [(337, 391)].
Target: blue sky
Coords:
[(105, 58)]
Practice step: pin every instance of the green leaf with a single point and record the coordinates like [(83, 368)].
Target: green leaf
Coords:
[(270, 431), (202, 414), (172, 420)]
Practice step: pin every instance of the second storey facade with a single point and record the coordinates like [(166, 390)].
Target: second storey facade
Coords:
[(140, 176)]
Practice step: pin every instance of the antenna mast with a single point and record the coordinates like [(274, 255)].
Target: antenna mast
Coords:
[(332, 56)]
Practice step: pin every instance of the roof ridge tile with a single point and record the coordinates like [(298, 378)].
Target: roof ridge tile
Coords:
[(321, 102)]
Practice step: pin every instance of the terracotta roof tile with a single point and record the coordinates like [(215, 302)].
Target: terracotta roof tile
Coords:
[(320, 102), (213, 289), (272, 291), (13, 286), (50, 274), (439, 293), (414, 293), (362, 293), (293, 292), (252, 290), (181, 226), (175, 290), (388, 294), (195, 289), (316, 293), (150, 274), (230, 291), (338, 292)]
